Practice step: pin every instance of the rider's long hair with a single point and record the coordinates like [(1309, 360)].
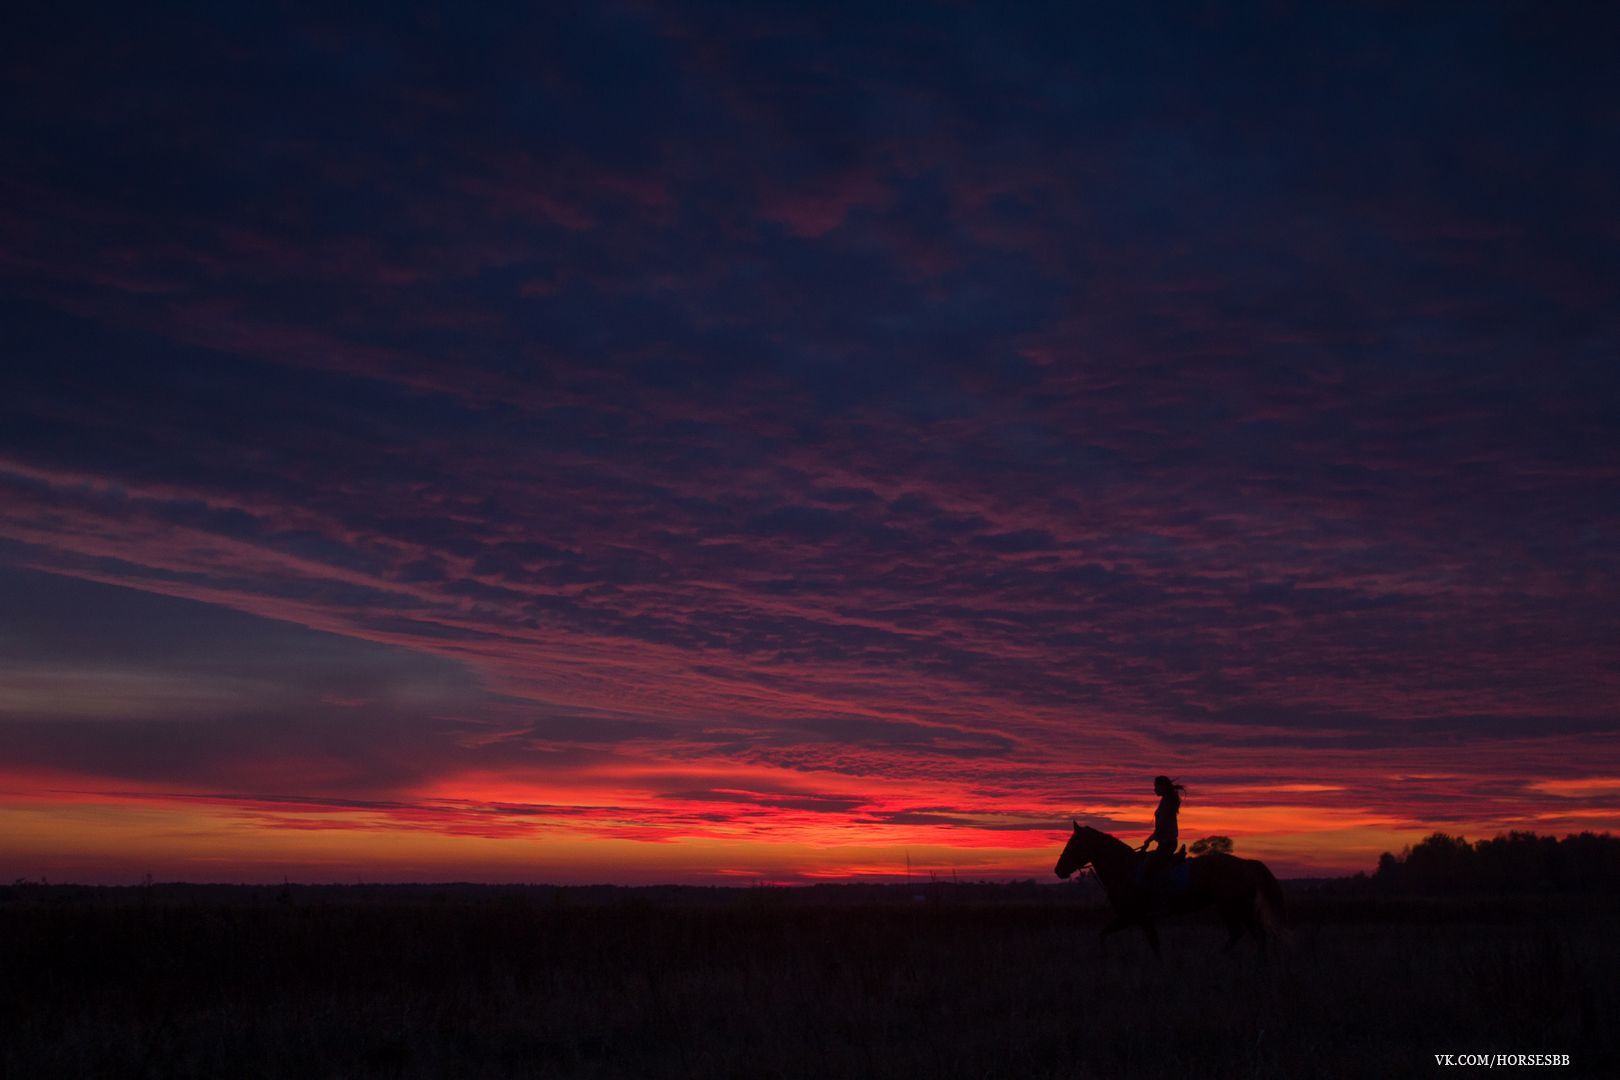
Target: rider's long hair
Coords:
[(1166, 782)]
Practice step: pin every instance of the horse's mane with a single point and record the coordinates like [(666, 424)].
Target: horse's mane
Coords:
[(1108, 837)]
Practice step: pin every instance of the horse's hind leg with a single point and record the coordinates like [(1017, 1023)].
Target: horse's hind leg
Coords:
[(1235, 928), (1237, 921), (1254, 921), (1152, 933)]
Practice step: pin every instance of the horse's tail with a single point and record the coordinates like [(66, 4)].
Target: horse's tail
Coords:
[(1268, 902)]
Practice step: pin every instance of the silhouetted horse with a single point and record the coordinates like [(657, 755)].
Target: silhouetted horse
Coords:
[(1242, 891)]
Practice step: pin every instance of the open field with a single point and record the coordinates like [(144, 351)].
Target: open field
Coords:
[(760, 983)]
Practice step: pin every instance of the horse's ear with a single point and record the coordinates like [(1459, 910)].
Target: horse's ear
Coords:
[(1076, 824)]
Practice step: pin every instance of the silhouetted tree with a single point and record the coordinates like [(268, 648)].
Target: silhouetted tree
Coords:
[(1212, 844), (1511, 862)]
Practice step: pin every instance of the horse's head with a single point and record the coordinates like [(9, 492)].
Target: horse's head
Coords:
[(1079, 851)]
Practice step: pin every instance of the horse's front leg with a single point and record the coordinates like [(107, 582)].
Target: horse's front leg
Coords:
[(1114, 926)]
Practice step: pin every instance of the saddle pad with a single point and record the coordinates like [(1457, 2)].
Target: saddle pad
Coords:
[(1177, 878), (1180, 876)]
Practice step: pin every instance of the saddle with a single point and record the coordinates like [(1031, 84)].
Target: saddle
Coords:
[(1163, 876)]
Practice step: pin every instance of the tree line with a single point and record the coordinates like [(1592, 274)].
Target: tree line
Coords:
[(1511, 862)]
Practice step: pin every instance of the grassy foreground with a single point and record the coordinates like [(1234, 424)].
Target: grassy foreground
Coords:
[(493, 985)]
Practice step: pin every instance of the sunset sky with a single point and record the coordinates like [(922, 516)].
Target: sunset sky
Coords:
[(649, 442)]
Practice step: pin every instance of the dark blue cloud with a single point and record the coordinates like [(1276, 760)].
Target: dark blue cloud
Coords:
[(1059, 384)]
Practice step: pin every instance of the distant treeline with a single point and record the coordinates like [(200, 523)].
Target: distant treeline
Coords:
[(1512, 862), (1515, 862), (920, 890)]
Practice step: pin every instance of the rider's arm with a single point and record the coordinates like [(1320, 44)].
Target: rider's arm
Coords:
[(1158, 816)]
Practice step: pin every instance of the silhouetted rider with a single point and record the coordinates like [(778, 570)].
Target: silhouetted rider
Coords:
[(1165, 831)]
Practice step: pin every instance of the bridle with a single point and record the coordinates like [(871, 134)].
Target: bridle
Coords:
[(1080, 868)]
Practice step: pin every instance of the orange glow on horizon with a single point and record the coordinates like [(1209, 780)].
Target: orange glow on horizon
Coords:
[(715, 825)]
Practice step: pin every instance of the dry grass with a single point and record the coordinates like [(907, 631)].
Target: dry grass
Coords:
[(471, 986)]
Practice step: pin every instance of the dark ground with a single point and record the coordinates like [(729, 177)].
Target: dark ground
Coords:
[(969, 982)]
